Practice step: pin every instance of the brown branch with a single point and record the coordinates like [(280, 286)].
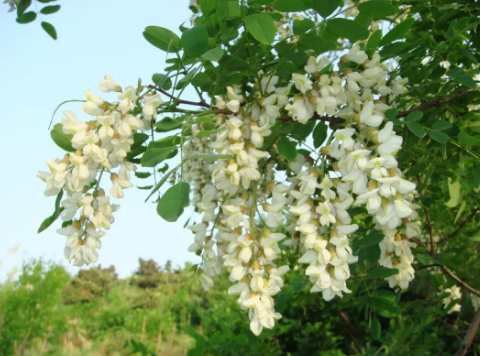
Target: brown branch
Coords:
[(462, 225), (330, 119), (451, 275), (427, 216), (468, 340), (431, 104), (459, 281)]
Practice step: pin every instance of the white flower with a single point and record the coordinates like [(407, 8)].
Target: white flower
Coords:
[(152, 102), (314, 66), (369, 117), (356, 55), (325, 210), (302, 83), (108, 84)]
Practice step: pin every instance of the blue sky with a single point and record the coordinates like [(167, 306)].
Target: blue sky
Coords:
[(36, 74)]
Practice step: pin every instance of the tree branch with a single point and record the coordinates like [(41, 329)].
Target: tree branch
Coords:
[(330, 119), (468, 340), (459, 281), (427, 216), (462, 225), (452, 275), (433, 103)]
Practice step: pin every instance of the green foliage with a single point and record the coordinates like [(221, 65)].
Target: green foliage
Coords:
[(62, 139), (171, 204)]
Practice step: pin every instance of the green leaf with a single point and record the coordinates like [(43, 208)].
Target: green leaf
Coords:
[(416, 129), (320, 134), (373, 238), (228, 9), (162, 81), (169, 124), (63, 140), (210, 132), (384, 307), (214, 54), (324, 7), (154, 156), (399, 31), (45, 1), (393, 50), (47, 10), (289, 5), (375, 329), (454, 191), (49, 29), (465, 80), (414, 116), (374, 41), (261, 27), (287, 149), (468, 140), (162, 38), (391, 113), (377, 8), (146, 187), (302, 131), (347, 29), (142, 175), (438, 136), (195, 41), (27, 17), (442, 125), (318, 44), (171, 205), (164, 179), (58, 210), (210, 157), (302, 26), (381, 272), (22, 5)]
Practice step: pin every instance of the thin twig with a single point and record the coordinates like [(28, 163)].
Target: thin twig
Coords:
[(472, 331), (431, 104), (462, 225), (459, 281), (452, 275), (427, 215)]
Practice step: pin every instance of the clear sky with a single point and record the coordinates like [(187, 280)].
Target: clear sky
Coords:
[(36, 74)]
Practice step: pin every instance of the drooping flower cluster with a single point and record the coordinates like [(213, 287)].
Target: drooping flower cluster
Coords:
[(356, 167), (454, 293), (99, 147)]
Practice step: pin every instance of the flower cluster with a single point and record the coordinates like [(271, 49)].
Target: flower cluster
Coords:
[(236, 171), (454, 294), (98, 147)]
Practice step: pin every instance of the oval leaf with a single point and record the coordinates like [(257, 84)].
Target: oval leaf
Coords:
[(154, 156), (27, 17), (261, 27), (320, 134), (438, 136), (377, 8), (442, 125), (171, 205), (63, 140), (49, 29), (397, 32), (287, 149), (347, 29), (162, 38), (416, 129), (47, 10), (195, 41), (382, 272), (214, 54)]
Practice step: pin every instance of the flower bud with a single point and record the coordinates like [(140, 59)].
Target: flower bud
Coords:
[(76, 224), (271, 185), (372, 184), (347, 72), (266, 232), (256, 266), (265, 206)]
